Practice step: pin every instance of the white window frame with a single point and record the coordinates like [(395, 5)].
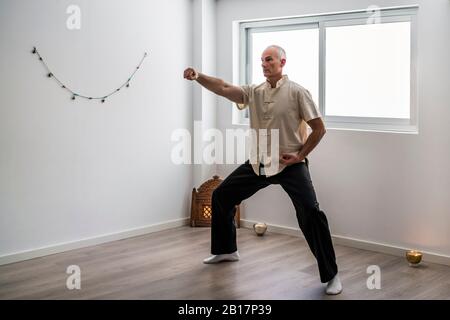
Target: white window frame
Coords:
[(321, 21)]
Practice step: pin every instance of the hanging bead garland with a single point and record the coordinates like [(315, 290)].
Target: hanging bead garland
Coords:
[(75, 95)]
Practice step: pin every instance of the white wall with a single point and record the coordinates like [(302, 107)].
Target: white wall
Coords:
[(71, 170), (204, 101), (385, 188)]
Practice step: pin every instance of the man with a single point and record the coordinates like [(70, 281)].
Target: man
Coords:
[(286, 106)]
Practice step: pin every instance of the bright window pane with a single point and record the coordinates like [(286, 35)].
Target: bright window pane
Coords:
[(368, 70), (302, 56)]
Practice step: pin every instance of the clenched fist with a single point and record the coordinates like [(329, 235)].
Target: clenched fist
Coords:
[(190, 74)]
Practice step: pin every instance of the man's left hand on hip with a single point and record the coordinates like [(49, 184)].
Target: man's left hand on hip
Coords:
[(289, 158)]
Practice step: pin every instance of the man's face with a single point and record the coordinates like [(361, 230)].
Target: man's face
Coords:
[(271, 63)]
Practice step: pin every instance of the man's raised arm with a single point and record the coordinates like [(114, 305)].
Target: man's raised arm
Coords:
[(216, 85)]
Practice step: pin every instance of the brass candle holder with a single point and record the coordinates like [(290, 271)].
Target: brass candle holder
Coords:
[(414, 257), (260, 228)]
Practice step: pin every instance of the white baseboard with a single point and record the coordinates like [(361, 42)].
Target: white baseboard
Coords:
[(356, 243), (82, 243)]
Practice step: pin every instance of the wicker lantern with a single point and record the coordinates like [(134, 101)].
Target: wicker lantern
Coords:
[(201, 209)]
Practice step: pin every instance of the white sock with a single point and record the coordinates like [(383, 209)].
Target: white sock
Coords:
[(222, 257), (334, 286)]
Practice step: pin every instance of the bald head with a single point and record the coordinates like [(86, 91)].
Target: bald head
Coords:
[(279, 50), (273, 60)]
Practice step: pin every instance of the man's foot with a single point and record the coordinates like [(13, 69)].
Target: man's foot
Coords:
[(334, 286), (222, 257)]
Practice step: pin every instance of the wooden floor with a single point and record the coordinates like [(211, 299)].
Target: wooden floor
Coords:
[(168, 265)]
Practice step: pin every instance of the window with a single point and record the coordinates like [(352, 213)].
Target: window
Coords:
[(359, 66)]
